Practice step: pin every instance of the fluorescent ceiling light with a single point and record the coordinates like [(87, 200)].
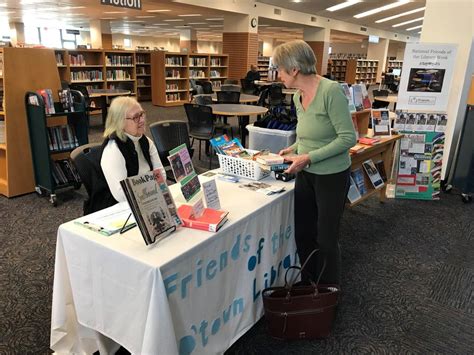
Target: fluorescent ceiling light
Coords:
[(263, 25), (407, 22), (173, 20), (197, 23), (107, 18), (150, 16), (114, 12), (414, 28), (382, 8), (136, 21), (215, 19), (189, 15), (162, 10), (216, 25), (184, 26), (400, 15), (343, 5)]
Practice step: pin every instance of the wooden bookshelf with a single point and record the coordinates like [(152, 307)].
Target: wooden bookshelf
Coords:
[(143, 75), (25, 69), (338, 69), (86, 67), (218, 69), (120, 70), (354, 71), (394, 64), (263, 64), (199, 66), (366, 71)]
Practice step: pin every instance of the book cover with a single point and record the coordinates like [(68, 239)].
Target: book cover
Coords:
[(431, 123), (421, 120), (357, 95), (441, 124), (150, 206), (358, 177), (380, 122), (373, 174), (400, 121), (369, 141), (381, 168), (350, 100), (218, 141), (411, 122), (210, 220), (356, 126), (270, 159), (181, 162), (353, 195), (365, 97)]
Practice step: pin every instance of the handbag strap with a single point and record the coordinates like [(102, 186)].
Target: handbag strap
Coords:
[(301, 269)]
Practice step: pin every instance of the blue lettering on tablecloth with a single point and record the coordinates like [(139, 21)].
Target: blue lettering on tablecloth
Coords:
[(187, 344)]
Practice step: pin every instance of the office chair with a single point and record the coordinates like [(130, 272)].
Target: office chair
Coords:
[(86, 159), (275, 95), (231, 87), (206, 87), (129, 86), (248, 87), (168, 135), (231, 82), (201, 125), (378, 103), (203, 99), (83, 90)]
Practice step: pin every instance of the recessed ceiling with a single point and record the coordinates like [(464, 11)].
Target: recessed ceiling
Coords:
[(347, 14)]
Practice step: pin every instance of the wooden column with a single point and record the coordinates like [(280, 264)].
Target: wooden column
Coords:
[(242, 48), (320, 49)]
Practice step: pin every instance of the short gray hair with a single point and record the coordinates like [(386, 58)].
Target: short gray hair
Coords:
[(116, 116), (295, 55)]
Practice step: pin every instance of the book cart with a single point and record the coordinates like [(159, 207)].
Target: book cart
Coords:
[(50, 144)]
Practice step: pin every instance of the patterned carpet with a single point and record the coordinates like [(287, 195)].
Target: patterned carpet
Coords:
[(408, 276)]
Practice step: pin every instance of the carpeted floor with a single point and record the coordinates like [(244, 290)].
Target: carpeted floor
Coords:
[(408, 276)]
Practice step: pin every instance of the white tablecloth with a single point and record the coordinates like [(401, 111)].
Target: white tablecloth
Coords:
[(195, 292)]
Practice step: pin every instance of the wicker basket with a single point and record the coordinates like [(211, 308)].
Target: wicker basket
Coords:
[(245, 168)]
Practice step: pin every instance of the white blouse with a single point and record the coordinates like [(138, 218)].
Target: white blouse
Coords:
[(114, 167)]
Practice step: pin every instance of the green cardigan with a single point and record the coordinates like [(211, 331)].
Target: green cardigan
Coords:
[(325, 130)]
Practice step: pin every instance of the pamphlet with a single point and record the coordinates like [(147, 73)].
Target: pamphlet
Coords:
[(262, 187), (190, 186), (211, 194), (373, 174), (181, 162), (380, 122)]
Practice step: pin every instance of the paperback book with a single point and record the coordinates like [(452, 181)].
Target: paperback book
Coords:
[(358, 177), (373, 173), (380, 122), (353, 195), (152, 205), (181, 162), (348, 93), (358, 98), (47, 96)]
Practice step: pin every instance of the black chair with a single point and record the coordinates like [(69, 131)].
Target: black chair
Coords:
[(231, 87), (125, 85), (378, 103), (248, 87), (206, 87), (203, 99), (228, 97), (64, 84), (201, 125), (275, 95), (86, 159), (167, 135), (90, 107), (231, 82)]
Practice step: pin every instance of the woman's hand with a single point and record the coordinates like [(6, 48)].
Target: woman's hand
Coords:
[(298, 163), (285, 151)]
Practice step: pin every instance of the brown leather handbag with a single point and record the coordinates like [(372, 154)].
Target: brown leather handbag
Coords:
[(297, 311)]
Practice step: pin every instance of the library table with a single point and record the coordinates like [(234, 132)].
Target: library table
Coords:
[(244, 98), (194, 292), (103, 94), (238, 110)]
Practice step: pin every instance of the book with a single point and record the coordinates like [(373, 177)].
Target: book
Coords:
[(369, 141), (47, 96), (381, 168), (358, 148), (357, 96), (270, 159), (353, 194), (66, 100), (365, 97), (181, 162), (2, 132), (380, 122), (152, 205), (358, 177), (348, 93), (211, 220), (373, 174), (262, 187)]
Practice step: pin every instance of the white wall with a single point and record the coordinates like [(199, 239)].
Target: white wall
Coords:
[(347, 48), (171, 45), (209, 47)]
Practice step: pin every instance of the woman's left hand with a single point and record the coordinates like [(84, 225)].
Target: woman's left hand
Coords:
[(298, 163)]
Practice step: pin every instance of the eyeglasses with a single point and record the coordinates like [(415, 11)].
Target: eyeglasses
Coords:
[(137, 117)]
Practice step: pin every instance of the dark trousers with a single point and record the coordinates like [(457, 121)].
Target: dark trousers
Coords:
[(319, 204)]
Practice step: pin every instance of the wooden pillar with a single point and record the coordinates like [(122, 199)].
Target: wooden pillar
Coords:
[(318, 40)]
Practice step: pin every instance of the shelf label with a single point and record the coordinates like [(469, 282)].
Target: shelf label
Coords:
[(131, 4)]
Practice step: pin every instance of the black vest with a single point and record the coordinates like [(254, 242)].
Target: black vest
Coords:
[(100, 196)]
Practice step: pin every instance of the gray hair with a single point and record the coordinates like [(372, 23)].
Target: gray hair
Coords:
[(295, 55), (117, 114)]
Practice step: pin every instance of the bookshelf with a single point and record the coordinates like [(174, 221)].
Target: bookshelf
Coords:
[(24, 69), (263, 64), (338, 69), (366, 71), (394, 64), (52, 138), (170, 74), (354, 71), (120, 70), (218, 69), (143, 75)]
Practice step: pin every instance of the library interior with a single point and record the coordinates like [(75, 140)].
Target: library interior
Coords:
[(150, 147)]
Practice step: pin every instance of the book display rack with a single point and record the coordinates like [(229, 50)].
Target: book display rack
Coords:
[(170, 74), (52, 138)]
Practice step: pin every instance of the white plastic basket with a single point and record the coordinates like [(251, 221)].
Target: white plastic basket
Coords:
[(245, 168)]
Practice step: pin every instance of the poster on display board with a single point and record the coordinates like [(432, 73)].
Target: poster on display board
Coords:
[(426, 76), (419, 166)]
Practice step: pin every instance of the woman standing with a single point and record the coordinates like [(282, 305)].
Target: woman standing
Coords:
[(325, 134)]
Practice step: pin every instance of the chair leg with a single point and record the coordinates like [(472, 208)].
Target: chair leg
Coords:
[(200, 149), (211, 151)]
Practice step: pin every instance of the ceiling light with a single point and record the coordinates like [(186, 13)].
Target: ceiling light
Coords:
[(189, 15), (162, 10), (414, 28), (343, 5), (216, 25), (150, 16), (259, 25), (407, 22), (72, 7), (215, 19), (107, 18), (400, 15), (197, 23), (183, 26), (383, 8), (114, 12), (173, 20)]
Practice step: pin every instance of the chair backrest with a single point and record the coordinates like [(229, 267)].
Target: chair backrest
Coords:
[(248, 86), (228, 97), (64, 84), (203, 99), (206, 86), (388, 79), (275, 95), (82, 89), (126, 86), (379, 92), (231, 87), (201, 120), (231, 81), (86, 159), (167, 135)]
